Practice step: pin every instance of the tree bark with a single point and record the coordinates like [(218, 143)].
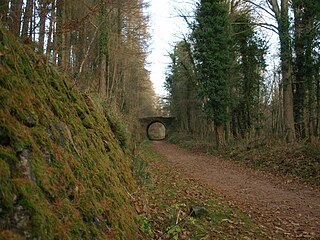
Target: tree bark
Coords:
[(42, 27), (299, 85), (317, 133), (102, 80), (220, 138), (61, 33), (27, 19), (51, 30), (103, 50), (15, 17), (282, 18)]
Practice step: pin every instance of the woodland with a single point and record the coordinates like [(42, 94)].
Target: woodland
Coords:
[(220, 85), (74, 83), (101, 45), (224, 62)]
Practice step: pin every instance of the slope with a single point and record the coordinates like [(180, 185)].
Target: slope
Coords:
[(64, 174)]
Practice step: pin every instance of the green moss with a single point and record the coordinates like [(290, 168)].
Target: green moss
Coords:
[(54, 84), (82, 174), (26, 68), (6, 191), (40, 135), (10, 81), (32, 200), (88, 121), (118, 127), (9, 158), (4, 100), (26, 116), (72, 96)]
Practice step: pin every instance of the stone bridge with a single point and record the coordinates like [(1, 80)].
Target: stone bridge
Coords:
[(167, 122)]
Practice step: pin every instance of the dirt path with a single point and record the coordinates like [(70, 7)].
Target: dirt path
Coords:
[(288, 208)]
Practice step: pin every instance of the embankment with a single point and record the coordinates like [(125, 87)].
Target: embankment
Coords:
[(64, 173)]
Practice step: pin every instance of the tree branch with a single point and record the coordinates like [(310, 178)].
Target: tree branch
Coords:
[(268, 26), (272, 14), (275, 9)]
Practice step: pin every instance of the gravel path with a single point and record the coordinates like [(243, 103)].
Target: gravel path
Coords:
[(285, 206)]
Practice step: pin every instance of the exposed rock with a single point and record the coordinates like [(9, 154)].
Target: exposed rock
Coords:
[(60, 128), (21, 217), (31, 120), (77, 193), (18, 220), (46, 153), (198, 211), (24, 165)]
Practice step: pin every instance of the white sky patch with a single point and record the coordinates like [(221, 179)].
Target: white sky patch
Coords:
[(166, 29)]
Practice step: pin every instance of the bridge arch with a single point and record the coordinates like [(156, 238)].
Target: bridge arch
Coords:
[(156, 130), (167, 122)]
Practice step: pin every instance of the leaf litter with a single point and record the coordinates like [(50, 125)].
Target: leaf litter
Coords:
[(281, 209), (165, 198)]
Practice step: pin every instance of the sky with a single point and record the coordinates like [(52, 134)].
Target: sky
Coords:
[(166, 28)]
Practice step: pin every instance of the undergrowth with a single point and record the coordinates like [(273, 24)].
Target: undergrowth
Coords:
[(300, 160)]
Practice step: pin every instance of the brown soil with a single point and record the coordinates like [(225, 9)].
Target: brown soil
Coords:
[(279, 203)]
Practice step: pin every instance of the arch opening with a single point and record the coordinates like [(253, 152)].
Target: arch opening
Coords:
[(156, 131)]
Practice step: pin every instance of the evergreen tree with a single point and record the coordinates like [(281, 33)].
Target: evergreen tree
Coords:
[(213, 55)]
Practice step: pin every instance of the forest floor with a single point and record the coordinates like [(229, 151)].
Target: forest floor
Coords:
[(279, 207)]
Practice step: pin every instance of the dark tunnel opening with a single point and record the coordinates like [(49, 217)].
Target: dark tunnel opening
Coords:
[(156, 131)]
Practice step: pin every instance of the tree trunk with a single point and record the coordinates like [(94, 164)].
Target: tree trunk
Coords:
[(61, 33), (317, 133), (286, 69), (27, 19), (15, 17), (103, 50), (282, 18), (300, 81), (220, 138), (42, 28), (55, 29), (102, 79), (51, 30), (312, 94)]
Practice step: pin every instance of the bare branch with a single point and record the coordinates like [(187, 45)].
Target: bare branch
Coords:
[(268, 26), (272, 14), (275, 8), (88, 49)]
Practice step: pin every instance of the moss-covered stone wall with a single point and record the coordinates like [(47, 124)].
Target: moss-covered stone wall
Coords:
[(64, 174)]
